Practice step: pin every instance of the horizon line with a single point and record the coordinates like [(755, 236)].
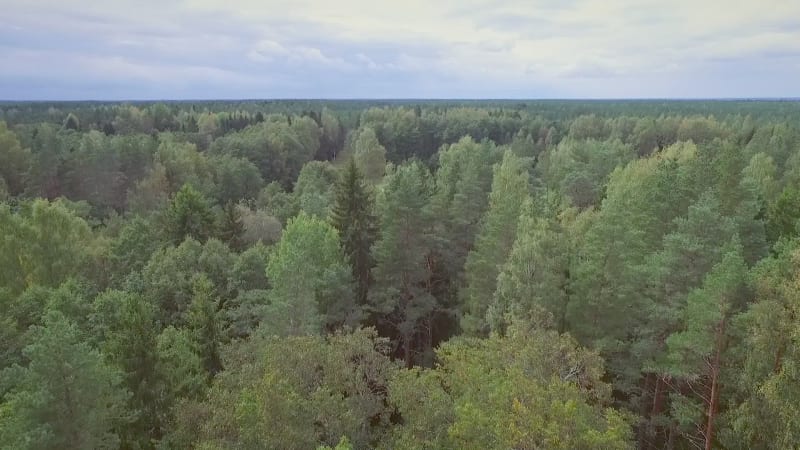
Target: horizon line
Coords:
[(398, 99)]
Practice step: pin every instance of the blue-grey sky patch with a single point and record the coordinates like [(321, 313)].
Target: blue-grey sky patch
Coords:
[(147, 49)]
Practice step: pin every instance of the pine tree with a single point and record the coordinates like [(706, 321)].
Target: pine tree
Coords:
[(67, 397), (402, 299), (536, 276), (461, 197), (510, 189), (696, 353)]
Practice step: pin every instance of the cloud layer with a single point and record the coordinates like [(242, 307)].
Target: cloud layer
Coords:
[(191, 49)]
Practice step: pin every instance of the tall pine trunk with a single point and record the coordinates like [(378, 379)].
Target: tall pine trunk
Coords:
[(712, 401)]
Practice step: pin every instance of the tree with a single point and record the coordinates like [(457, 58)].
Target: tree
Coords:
[(536, 274), (313, 191), (168, 277), (15, 162), (278, 203), (208, 125), (130, 250), (232, 227), (317, 388), (72, 122), (331, 139), (259, 226), (127, 327), (783, 215), (401, 300), (66, 397), (697, 352), (352, 216), (460, 199), (530, 389), (43, 243), (764, 383), (203, 320), (311, 283), (607, 309), (370, 155), (510, 189), (580, 168), (235, 178), (189, 215)]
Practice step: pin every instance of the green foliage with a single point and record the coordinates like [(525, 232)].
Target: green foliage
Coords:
[(66, 397), (277, 202), (318, 390), (231, 227), (580, 168), (42, 243), (150, 297), (697, 353), (189, 215), (235, 178), (352, 216), (510, 189), (531, 389), (204, 323), (14, 161), (536, 274), (313, 191), (131, 249), (369, 155), (311, 282), (460, 199), (401, 299), (765, 379), (126, 323), (167, 278), (783, 214)]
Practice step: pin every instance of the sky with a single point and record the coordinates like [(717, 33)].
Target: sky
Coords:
[(236, 49)]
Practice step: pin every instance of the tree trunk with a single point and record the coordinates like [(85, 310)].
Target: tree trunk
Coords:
[(712, 402), (407, 337), (644, 404)]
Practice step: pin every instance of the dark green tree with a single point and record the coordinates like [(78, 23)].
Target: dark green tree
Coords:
[(126, 324), (189, 215), (401, 300), (352, 215), (66, 397), (203, 319), (231, 227)]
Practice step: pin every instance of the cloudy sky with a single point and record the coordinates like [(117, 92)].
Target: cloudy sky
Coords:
[(199, 49)]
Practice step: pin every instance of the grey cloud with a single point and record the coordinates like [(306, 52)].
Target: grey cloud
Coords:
[(477, 48)]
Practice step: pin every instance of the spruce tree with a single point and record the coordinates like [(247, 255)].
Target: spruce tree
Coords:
[(352, 215), (204, 323)]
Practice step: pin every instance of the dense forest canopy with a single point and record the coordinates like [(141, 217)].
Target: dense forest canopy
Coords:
[(400, 274)]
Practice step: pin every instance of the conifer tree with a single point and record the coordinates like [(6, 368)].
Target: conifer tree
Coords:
[(352, 215), (402, 298), (204, 323), (510, 189), (66, 397)]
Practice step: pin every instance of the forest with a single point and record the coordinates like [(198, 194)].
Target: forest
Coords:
[(406, 274)]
